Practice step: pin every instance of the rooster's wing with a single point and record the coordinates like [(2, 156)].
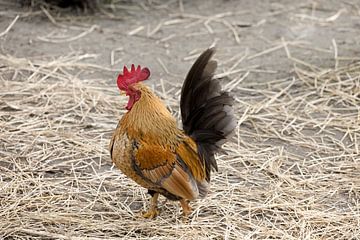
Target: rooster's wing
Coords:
[(179, 171)]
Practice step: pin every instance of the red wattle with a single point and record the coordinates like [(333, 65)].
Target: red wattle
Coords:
[(130, 102)]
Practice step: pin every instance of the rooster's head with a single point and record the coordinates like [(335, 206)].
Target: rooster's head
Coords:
[(128, 79)]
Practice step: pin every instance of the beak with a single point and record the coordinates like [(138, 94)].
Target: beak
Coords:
[(122, 93)]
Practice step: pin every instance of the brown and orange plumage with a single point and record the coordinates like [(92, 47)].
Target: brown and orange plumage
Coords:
[(148, 147)]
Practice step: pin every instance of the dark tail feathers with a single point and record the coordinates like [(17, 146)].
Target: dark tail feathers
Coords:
[(206, 110)]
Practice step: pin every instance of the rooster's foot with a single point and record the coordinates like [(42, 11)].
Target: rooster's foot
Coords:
[(151, 213), (186, 208)]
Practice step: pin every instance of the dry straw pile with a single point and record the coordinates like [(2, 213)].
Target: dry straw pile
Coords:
[(292, 169)]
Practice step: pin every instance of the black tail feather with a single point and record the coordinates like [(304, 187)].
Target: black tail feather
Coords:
[(206, 110)]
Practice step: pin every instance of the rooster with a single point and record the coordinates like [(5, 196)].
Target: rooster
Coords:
[(148, 147)]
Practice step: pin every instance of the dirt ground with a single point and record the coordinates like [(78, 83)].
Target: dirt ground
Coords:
[(292, 169)]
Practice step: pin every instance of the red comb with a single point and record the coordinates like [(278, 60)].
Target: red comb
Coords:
[(132, 76)]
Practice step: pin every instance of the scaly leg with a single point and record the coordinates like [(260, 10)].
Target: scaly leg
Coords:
[(153, 211), (186, 208)]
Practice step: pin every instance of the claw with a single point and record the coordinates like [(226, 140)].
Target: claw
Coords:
[(151, 213)]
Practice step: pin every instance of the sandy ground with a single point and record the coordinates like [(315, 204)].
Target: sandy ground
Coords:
[(159, 39), (293, 166)]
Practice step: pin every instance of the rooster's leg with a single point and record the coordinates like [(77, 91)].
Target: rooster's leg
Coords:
[(153, 211), (186, 208)]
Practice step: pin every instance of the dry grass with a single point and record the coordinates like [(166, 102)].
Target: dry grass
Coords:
[(292, 169)]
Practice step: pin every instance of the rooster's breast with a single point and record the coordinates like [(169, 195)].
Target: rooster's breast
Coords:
[(123, 151)]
